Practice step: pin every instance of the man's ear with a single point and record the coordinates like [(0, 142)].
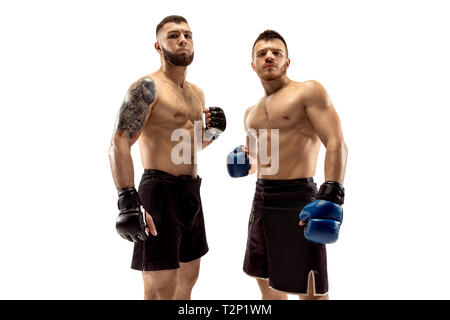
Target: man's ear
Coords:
[(157, 46), (288, 63), (253, 66)]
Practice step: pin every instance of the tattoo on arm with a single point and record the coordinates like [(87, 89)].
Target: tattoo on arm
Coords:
[(135, 108)]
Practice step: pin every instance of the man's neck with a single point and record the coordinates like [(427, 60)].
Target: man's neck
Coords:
[(272, 86), (175, 74)]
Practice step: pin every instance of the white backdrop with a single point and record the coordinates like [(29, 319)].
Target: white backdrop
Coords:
[(65, 67)]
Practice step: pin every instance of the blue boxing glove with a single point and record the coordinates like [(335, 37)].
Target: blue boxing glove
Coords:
[(238, 163), (323, 217)]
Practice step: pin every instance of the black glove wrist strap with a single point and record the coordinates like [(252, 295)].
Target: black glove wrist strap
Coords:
[(332, 191), (128, 198)]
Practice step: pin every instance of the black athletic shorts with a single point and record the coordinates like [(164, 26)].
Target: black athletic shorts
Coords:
[(276, 246), (175, 206)]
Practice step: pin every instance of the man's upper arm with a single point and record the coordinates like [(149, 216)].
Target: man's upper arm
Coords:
[(201, 95), (245, 117), (135, 110), (248, 135), (322, 113)]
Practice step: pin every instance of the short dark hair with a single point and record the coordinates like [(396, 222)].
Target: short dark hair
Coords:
[(176, 19), (267, 35)]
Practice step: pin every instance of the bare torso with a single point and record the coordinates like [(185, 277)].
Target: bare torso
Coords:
[(299, 144), (175, 108)]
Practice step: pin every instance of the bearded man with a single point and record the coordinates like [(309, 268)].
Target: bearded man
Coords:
[(164, 217)]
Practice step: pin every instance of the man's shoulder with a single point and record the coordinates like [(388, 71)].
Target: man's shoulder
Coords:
[(145, 86), (248, 110), (152, 77), (313, 86), (196, 88), (315, 94), (308, 89), (304, 85)]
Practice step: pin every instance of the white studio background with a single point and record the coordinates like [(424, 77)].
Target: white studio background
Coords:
[(65, 67)]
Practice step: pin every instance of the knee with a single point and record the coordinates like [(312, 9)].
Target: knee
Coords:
[(166, 292)]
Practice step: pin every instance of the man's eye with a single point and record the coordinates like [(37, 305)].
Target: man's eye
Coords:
[(187, 36), (261, 54), (276, 53), (173, 36)]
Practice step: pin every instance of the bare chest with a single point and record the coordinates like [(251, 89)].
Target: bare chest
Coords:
[(276, 112), (177, 107)]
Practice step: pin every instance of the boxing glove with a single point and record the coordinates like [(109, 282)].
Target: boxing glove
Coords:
[(238, 163), (217, 125), (323, 217), (131, 222)]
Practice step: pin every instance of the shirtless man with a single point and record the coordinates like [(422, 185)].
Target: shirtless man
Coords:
[(164, 219), (296, 117)]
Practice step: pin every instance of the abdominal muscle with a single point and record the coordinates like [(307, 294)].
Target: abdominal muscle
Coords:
[(156, 153), (297, 157)]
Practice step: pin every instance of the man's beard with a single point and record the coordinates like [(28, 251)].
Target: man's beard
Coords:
[(181, 60)]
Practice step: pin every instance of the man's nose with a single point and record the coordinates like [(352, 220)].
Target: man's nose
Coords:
[(182, 42), (269, 57)]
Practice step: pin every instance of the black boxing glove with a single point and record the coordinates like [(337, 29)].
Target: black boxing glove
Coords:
[(217, 125), (332, 191), (131, 222)]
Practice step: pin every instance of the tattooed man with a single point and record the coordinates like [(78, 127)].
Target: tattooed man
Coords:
[(164, 218)]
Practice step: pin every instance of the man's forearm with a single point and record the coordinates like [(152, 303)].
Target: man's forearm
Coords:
[(252, 160), (206, 143), (121, 166), (335, 161)]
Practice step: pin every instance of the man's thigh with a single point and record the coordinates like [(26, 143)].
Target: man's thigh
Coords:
[(188, 271), (159, 279)]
